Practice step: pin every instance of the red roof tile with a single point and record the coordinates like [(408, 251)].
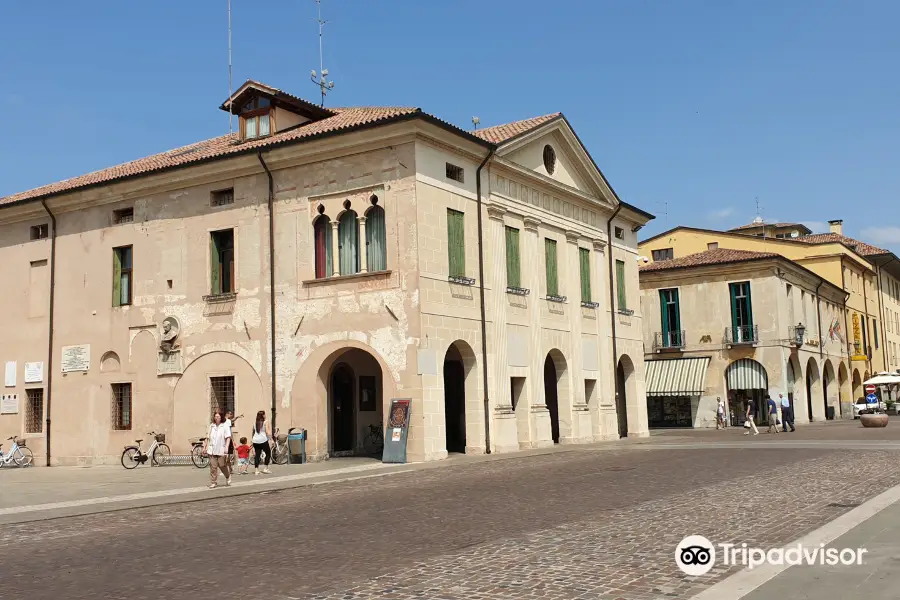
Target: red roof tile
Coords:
[(502, 133), (861, 248), (720, 256), (344, 119)]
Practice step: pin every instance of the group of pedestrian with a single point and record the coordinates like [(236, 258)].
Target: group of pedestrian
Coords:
[(220, 447), (787, 415)]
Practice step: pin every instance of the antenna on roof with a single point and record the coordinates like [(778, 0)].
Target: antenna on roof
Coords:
[(321, 80), (476, 121), (230, 92)]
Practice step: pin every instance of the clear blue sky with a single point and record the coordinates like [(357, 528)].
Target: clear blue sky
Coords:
[(705, 106)]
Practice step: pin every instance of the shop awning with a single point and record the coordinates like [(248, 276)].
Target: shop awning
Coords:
[(883, 378), (746, 374), (676, 376)]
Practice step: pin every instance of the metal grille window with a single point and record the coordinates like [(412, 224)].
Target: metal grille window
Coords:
[(34, 411), (39, 232), (455, 173), (121, 406), (124, 215), (221, 395), (122, 280), (222, 197)]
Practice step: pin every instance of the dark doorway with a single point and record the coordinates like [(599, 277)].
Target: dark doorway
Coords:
[(455, 400), (809, 396), (621, 404), (342, 388), (551, 397)]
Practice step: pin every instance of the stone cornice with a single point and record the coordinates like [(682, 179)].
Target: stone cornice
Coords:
[(531, 224)]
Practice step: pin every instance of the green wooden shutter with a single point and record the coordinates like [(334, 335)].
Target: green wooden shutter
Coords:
[(749, 307), (348, 243), (550, 260), (732, 288), (664, 312), (117, 278), (620, 285), (456, 243), (513, 271), (329, 259), (215, 273), (677, 324), (584, 256), (376, 256)]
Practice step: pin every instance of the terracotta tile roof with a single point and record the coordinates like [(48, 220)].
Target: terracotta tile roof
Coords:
[(755, 225), (861, 248), (502, 133), (720, 256), (345, 119)]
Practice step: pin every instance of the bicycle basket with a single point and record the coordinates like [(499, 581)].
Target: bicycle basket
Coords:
[(20, 441), (282, 438), (161, 438)]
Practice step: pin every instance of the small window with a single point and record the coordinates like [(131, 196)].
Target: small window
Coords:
[(34, 411), (663, 254), (221, 262), (550, 265), (712, 246), (121, 406), (549, 159), (620, 233), (513, 268), (122, 276), (455, 173), (256, 118), (222, 197), (123, 215), (221, 395), (39, 232)]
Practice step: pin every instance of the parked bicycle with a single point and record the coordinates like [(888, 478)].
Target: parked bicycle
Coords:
[(158, 452), (374, 440), (18, 454), (279, 448), (200, 460)]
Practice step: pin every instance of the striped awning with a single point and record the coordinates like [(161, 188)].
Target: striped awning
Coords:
[(746, 374), (676, 376)]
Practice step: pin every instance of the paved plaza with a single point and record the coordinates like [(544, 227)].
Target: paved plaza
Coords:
[(599, 521)]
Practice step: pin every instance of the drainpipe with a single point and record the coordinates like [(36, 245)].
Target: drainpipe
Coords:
[(484, 359), (271, 278), (612, 308), (819, 319), (50, 322)]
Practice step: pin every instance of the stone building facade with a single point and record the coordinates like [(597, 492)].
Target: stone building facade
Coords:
[(316, 265)]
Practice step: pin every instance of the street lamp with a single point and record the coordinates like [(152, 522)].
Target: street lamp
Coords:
[(799, 332)]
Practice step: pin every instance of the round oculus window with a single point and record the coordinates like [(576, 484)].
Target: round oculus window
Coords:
[(549, 159)]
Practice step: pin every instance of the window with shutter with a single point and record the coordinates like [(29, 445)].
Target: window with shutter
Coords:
[(376, 252), (221, 277), (456, 244), (348, 243), (322, 240), (122, 278), (513, 271), (620, 286), (551, 267), (584, 259)]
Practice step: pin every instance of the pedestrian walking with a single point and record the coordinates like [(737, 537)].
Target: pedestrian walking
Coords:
[(216, 446), (261, 437), (243, 452), (720, 414), (787, 413), (230, 420), (749, 424), (773, 414)]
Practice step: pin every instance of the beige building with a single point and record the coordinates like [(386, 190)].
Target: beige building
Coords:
[(751, 325), (316, 265)]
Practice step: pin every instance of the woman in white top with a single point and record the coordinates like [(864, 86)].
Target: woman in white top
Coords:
[(261, 437), (216, 446)]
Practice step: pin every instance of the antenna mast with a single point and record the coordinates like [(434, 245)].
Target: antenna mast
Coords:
[(321, 80), (230, 91)]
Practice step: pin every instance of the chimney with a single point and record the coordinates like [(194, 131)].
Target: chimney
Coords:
[(836, 226)]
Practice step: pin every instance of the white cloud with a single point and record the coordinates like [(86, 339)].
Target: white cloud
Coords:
[(817, 226), (882, 235), (722, 213)]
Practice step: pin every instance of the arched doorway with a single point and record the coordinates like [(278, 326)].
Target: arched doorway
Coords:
[(342, 394), (354, 400), (857, 386), (555, 386), (460, 390), (828, 387), (845, 393), (746, 380), (624, 381), (793, 371), (813, 387)]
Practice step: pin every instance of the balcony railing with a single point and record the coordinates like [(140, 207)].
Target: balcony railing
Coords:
[(741, 335), (668, 340)]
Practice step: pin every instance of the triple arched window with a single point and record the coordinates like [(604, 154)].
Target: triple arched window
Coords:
[(339, 248)]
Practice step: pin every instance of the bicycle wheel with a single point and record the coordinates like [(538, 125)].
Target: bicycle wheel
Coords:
[(161, 454), (200, 460), (373, 444), (280, 454), (25, 457), (129, 458)]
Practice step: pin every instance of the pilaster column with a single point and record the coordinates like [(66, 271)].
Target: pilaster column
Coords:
[(539, 416), (504, 427), (335, 258), (604, 416), (576, 404), (363, 248)]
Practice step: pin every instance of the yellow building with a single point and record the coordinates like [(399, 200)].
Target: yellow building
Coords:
[(863, 271)]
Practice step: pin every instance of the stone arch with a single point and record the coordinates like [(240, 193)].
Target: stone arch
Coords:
[(557, 395), (746, 380), (463, 413), (626, 393), (142, 340), (194, 390), (857, 386), (815, 409), (845, 390), (830, 391), (110, 362), (310, 397)]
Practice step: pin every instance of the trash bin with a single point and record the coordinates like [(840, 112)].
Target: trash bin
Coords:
[(296, 445), (829, 413)]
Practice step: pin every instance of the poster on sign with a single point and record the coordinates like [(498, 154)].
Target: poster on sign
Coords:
[(396, 431)]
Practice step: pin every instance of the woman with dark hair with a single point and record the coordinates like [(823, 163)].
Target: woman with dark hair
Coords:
[(216, 446), (261, 437)]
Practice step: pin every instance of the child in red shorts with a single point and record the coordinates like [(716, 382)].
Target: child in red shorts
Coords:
[(243, 452)]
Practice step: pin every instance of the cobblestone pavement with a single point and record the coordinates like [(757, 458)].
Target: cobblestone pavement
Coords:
[(579, 524)]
